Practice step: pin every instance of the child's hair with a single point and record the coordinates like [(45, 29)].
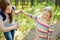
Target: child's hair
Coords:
[(48, 9)]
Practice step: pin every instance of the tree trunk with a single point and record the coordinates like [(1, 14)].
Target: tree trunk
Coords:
[(23, 3), (16, 2), (32, 2)]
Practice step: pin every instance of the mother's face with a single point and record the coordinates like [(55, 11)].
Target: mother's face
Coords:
[(8, 9)]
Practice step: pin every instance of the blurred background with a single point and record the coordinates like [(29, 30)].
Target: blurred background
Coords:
[(27, 29)]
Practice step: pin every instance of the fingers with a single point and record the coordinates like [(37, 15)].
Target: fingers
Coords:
[(21, 11), (18, 24)]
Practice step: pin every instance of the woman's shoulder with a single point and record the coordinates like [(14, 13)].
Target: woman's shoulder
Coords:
[(0, 11), (0, 14), (1, 18)]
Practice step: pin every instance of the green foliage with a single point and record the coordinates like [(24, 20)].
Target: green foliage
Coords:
[(28, 23)]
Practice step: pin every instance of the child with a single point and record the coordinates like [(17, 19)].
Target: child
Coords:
[(43, 28)]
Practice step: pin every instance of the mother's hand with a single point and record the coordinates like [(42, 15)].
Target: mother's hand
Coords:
[(19, 11), (22, 11)]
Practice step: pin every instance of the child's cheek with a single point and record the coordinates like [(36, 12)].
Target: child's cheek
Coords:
[(47, 17)]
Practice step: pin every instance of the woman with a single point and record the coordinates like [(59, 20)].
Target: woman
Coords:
[(7, 24)]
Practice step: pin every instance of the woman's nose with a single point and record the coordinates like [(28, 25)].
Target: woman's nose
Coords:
[(9, 11)]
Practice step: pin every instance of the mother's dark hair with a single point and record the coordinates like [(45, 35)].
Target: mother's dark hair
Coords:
[(3, 5)]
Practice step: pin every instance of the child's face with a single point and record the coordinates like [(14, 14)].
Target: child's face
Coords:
[(8, 9), (46, 15)]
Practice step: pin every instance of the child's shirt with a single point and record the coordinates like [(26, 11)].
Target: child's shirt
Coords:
[(42, 29)]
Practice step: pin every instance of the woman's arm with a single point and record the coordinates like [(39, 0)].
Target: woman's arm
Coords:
[(16, 12), (28, 15), (6, 29)]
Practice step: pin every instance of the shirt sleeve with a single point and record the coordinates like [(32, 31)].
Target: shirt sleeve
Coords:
[(1, 17), (33, 16), (50, 30)]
